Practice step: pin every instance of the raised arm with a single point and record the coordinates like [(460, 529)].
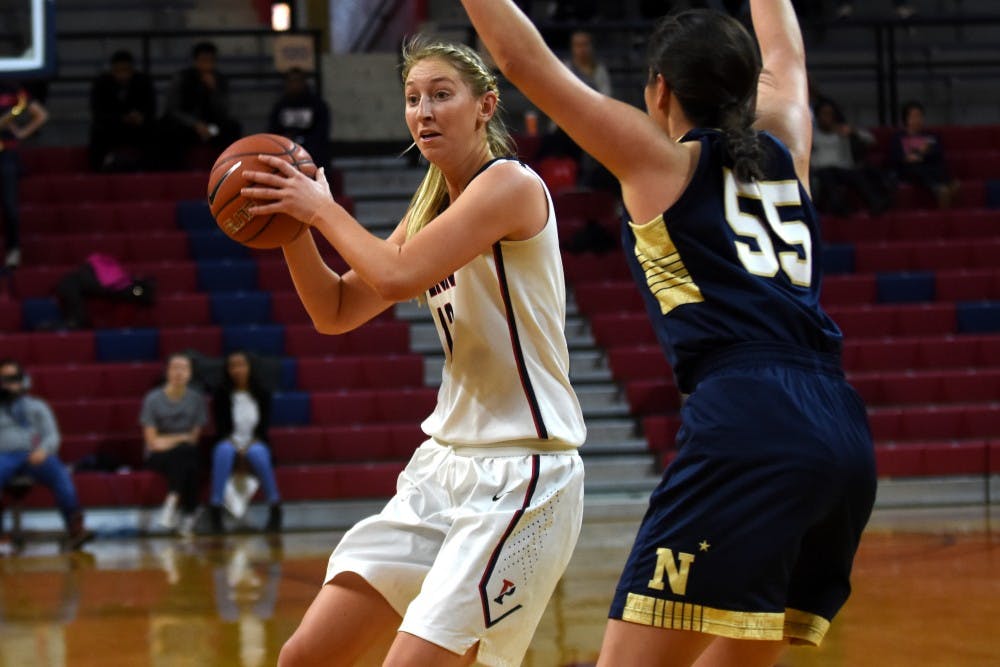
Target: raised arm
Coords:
[(783, 88), (619, 136)]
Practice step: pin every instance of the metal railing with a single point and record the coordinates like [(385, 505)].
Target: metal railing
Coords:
[(147, 39)]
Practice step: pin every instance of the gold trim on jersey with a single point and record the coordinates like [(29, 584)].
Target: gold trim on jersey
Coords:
[(666, 276), (801, 627), (798, 626)]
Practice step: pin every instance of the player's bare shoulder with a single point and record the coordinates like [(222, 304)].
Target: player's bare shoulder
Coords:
[(511, 192)]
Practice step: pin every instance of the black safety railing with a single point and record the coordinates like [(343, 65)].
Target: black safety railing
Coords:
[(261, 58)]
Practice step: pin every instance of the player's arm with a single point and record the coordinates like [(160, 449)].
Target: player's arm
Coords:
[(335, 303), (783, 88), (618, 135), (503, 201), (161, 443)]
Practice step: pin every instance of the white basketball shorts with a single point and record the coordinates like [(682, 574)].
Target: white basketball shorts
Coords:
[(472, 545)]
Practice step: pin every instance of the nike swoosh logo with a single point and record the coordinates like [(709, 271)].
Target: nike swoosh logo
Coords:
[(229, 172), (500, 495)]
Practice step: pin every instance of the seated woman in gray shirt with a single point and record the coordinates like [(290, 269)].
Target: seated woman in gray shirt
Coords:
[(172, 418)]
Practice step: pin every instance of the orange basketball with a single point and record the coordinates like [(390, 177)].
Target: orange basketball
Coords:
[(229, 207)]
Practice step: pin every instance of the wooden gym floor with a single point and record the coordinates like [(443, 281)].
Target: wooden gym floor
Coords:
[(926, 587)]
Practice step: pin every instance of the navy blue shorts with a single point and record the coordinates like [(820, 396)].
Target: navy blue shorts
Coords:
[(752, 531)]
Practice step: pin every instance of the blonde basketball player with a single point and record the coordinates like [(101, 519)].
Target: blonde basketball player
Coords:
[(461, 562)]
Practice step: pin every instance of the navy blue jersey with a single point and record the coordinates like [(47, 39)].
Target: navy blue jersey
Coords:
[(732, 262)]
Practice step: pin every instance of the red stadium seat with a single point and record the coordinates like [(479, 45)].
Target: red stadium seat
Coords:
[(559, 173), (871, 257), (638, 363), (44, 347), (329, 373), (394, 370), (343, 408), (649, 397), (923, 319), (39, 219), (590, 267), (40, 160), (404, 405), (175, 276), (661, 432), (132, 187), (207, 340), (10, 316), (150, 215), (955, 458), (863, 321), (849, 289), (185, 185), (298, 445), (899, 460), (967, 285), (286, 307), (360, 442), (158, 246), (593, 297), (622, 329), (946, 352)]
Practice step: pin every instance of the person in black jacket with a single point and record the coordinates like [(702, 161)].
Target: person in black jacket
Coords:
[(242, 411), (123, 116), (302, 116), (197, 109)]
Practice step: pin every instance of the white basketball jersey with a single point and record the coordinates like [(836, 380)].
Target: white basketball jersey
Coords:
[(502, 319)]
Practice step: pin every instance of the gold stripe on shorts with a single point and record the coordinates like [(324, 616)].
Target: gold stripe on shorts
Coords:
[(801, 627), (646, 610)]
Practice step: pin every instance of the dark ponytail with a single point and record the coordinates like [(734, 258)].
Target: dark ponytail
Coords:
[(711, 64), (742, 144)]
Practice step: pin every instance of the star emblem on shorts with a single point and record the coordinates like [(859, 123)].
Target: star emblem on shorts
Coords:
[(704, 545)]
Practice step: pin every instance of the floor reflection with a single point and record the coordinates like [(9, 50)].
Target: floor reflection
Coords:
[(234, 601)]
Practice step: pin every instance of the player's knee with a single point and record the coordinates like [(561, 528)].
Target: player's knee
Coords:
[(295, 654)]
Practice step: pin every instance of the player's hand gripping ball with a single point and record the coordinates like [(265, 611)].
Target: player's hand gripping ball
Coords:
[(230, 208)]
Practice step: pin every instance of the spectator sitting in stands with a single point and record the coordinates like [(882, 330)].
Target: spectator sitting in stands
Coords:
[(916, 156), (197, 108), (123, 112), (835, 173), (242, 411), (103, 276), (302, 116), (15, 103), (29, 440), (172, 418), (556, 143)]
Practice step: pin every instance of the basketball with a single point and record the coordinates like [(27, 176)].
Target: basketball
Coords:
[(229, 207)]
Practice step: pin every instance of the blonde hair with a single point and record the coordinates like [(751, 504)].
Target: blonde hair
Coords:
[(430, 197)]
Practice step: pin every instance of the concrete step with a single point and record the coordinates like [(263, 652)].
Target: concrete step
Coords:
[(585, 367), (620, 473), (424, 337), (413, 311), (608, 434), (394, 182), (602, 400), (381, 209)]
